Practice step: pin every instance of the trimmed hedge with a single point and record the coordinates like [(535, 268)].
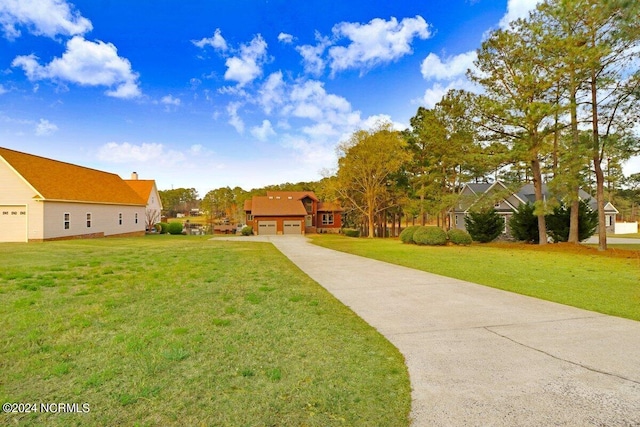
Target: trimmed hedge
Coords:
[(430, 235), (459, 237), (246, 231), (175, 228), (406, 236), (351, 232), (164, 227)]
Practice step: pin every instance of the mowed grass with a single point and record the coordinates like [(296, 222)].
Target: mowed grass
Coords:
[(180, 330), (579, 276)]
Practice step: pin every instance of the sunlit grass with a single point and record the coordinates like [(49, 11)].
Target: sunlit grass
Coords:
[(568, 274), (179, 330)]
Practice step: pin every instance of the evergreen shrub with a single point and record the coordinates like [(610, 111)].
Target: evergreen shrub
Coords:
[(351, 232), (406, 236), (430, 235), (459, 237), (175, 228), (484, 226)]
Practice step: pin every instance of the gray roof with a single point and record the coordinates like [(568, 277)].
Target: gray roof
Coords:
[(526, 193)]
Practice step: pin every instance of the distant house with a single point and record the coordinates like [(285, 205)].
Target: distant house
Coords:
[(507, 202), (147, 190), (292, 212), (43, 199)]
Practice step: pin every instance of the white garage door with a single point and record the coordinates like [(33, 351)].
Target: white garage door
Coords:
[(13, 223), (292, 227), (267, 228)]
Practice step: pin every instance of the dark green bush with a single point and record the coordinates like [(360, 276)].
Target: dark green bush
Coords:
[(246, 230), (459, 237), (484, 226), (430, 235), (174, 228), (164, 228), (351, 232), (524, 224), (406, 236), (558, 222)]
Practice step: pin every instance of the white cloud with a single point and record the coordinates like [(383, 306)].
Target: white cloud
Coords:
[(216, 41), (517, 9), (375, 43), (312, 59), (271, 94), (234, 118), (452, 67), (3, 90), (42, 18), (247, 66), (170, 100), (145, 152), (88, 64), (372, 121), (45, 128), (264, 131), (285, 38), (436, 92)]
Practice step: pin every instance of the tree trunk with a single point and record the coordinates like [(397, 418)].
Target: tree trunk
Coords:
[(574, 226), (537, 187), (597, 165), (372, 222)]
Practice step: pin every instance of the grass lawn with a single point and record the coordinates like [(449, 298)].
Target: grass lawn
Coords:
[(579, 276), (180, 330)]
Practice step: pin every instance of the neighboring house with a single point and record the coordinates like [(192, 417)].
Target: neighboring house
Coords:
[(147, 190), (292, 212), (507, 202), (43, 199)]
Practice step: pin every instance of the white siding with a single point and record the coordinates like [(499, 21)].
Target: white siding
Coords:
[(104, 219), (15, 191)]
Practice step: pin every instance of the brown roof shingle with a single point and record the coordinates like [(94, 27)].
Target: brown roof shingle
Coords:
[(142, 187), (270, 206), (60, 181)]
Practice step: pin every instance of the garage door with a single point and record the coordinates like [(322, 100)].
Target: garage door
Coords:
[(267, 228), (292, 227), (13, 223)]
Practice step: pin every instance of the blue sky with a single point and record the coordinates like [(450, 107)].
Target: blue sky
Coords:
[(207, 94)]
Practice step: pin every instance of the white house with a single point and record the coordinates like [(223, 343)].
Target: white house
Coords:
[(43, 199), (147, 190)]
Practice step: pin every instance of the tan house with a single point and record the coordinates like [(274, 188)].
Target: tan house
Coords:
[(44, 199), (292, 212), (147, 190)]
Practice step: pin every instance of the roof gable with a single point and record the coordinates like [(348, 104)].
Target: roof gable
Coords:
[(142, 187), (61, 181)]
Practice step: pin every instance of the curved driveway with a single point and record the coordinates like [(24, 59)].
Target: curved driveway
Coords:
[(479, 356)]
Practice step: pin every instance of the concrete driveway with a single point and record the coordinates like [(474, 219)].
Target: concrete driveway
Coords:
[(478, 356)]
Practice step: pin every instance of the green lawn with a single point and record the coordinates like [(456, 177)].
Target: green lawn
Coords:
[(580, 277), (180, 330)]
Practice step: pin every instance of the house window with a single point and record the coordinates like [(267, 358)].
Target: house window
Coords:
[(67, 220), (88, 220), (136, 218), (327, 219), (249, 217), (120, 218), (609, 220)]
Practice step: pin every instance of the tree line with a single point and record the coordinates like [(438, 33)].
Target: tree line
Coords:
[(557, 104)]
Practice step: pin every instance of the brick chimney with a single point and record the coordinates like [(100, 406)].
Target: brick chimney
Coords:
[(134, 176)]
